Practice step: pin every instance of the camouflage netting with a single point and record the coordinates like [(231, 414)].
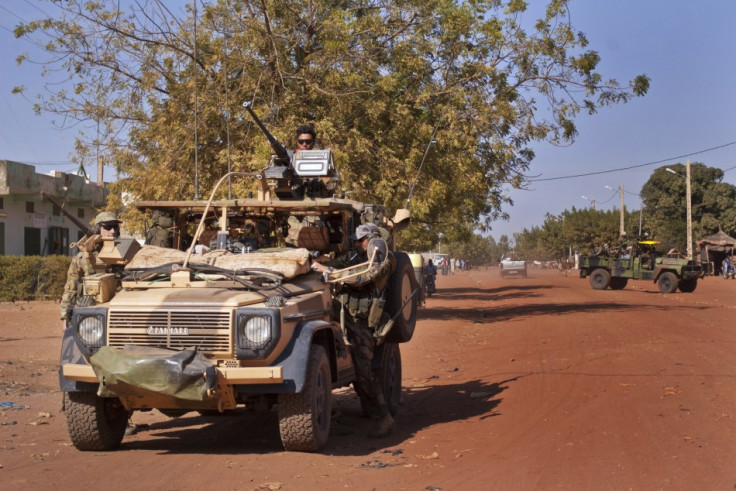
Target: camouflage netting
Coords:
[(290, 263)]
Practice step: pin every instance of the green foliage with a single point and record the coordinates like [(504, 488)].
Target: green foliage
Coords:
[(377, 78), (665, 204), (32, 277), (575, 230), (475, 250), (664, 216)]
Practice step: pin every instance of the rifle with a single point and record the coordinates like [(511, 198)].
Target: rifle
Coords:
[(88, 232), (278, 148)]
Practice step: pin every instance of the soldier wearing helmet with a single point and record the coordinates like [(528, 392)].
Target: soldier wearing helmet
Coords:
[(106, 224), (362, 299)]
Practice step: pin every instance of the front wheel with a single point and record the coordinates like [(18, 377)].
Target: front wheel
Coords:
[(305, 417), (94, 423), (600, 279), (667, 282)]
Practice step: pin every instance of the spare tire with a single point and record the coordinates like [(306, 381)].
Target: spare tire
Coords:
[(401, 286)]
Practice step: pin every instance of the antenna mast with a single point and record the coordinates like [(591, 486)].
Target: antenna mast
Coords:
[(196, 135)]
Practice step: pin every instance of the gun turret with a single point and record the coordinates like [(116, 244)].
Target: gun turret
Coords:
[(90, 240), (282, 156), (82, 226)]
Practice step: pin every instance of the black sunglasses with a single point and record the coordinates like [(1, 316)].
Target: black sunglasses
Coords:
[(109, 226), (305, 142)]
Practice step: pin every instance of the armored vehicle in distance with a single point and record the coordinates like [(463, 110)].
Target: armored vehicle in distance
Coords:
[(640, 260)]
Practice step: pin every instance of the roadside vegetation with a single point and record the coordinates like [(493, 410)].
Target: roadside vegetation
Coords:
[(379, 79), (663, 216)]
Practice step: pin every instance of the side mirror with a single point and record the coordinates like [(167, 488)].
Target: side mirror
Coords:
[(381, 249)]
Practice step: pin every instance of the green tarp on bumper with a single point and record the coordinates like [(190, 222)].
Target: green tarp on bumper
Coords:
[(139, 371)]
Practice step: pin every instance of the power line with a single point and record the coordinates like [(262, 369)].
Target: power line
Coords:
[(635, 166)]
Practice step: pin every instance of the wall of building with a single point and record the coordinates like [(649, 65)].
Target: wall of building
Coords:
[(30, 224)]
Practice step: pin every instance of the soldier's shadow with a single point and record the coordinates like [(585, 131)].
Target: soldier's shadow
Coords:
[(242, 431)]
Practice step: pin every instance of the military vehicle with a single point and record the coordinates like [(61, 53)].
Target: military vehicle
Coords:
[(640, 260), (238, 319)]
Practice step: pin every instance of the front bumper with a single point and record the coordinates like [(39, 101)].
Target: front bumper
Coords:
[(230, 376)]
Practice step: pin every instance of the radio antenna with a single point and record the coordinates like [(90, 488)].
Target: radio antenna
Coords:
[(196, 135), (432, 141)]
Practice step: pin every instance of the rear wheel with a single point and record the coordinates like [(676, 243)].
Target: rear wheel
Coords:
[(304, 418), (618, 283), (94, 423), (667, 282), (688, 286), (401, 286), (600, 279)]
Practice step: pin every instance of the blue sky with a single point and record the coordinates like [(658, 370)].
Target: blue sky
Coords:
[(687, 49)]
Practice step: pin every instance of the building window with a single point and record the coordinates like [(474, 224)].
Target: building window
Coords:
[(59, 241), (1, 204), (80, 212), (56, 211), (29, 207), (2, 238)]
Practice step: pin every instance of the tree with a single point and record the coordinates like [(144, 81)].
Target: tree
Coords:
[(665, 205), (378, 78), (576, 230)]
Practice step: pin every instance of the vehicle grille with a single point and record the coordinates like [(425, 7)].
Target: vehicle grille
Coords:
[(208, 331)]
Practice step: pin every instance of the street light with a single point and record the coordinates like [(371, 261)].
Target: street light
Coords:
[(688, 197), (622, 230), (592, 201)]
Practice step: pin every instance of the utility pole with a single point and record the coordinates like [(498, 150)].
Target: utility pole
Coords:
[(688, 189), (622, 230)]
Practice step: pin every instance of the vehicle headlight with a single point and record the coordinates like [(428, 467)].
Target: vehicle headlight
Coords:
[(91, 331), (255, 332)]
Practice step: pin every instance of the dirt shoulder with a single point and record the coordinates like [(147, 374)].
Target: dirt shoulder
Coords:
[(511, 383)]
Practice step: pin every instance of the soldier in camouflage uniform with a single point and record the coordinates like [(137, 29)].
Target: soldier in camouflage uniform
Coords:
[(362, 299), (106, 225)]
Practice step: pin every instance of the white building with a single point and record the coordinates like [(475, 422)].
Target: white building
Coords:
[(31, 225)]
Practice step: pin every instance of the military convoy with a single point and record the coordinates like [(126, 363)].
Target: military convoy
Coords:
[(640, 260), (232, 315)]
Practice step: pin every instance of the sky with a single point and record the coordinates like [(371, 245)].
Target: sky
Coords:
[(686, 48)]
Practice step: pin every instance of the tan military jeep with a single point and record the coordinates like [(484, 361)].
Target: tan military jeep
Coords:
[(237, 320)]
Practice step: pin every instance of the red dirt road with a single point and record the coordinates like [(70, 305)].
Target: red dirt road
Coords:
[(533, 383)]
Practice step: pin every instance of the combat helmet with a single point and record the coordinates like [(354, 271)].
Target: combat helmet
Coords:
[(106, 216)]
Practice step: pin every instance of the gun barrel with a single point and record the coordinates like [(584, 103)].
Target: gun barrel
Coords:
[(82, 226), (278, 148)]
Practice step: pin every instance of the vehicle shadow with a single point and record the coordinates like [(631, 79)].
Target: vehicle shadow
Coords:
[(507, 312), (242, 431), (500, 293)]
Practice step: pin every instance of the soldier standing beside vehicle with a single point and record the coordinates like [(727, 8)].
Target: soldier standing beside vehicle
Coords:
[(362, 299), (106, 225)]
